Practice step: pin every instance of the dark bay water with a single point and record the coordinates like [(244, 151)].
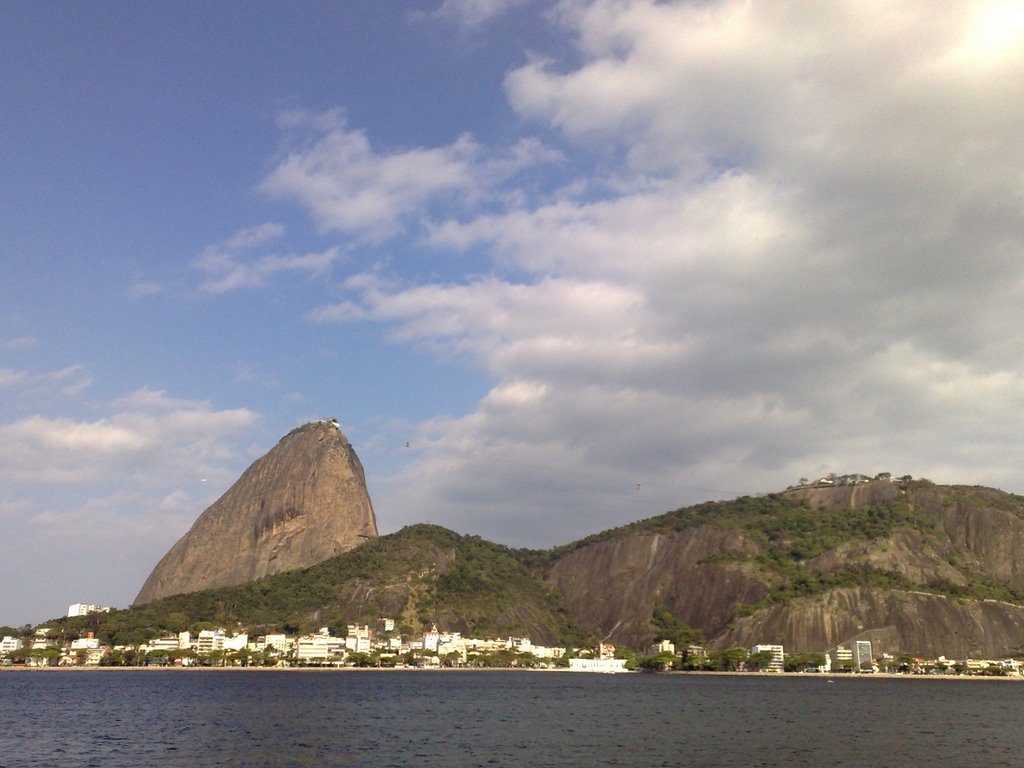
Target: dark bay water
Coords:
[(351, 718)]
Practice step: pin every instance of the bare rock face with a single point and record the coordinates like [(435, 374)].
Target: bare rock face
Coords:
[(899, 622), (302, 503), (611, 587)]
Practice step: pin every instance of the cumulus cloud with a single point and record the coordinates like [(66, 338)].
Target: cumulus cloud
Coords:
[(10, 377), (144, 288), (70, 381), (351, 188), (230, 266), (802, 254), (150, 437), (20, 342), (471, 14)]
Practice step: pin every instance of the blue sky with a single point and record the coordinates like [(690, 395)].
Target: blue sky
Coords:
[(554, 266)]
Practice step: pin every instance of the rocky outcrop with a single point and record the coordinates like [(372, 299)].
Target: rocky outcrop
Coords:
[(848, 496), (303, 502), (906, 554), (896, 622), (918, 589), (612, 586)]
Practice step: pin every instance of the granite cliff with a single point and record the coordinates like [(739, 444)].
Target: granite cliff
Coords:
[(303, 502), (916, 567)]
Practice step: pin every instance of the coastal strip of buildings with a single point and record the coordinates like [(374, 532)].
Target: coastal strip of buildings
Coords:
[(382, 646), (361, 645)]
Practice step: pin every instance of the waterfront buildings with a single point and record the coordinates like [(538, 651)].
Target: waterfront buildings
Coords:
[(778, 657)]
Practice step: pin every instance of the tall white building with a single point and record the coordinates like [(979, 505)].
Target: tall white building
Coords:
[(431, 639), (862, 654), (778, 662), (210, 640)]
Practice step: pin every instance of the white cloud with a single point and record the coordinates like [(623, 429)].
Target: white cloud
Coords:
[(471, 14), (9, 377), (227, 272), (229, 267), (144, 288), (252, 237), (353, 189), (20, 342), (70, 381), (151, 438), (805, 254)]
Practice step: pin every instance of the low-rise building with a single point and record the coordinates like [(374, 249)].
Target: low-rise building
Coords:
[(236, 642), (84, 609), (549, 653), (660, 647), (85, 643), (276, 642), (597, 665), (320, 647), (166, 644)]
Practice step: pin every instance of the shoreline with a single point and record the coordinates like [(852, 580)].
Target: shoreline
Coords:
[(428, 670)]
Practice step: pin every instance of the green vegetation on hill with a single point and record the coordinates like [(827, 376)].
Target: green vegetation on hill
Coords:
[(420, 575), (788, 532), (788, 529)]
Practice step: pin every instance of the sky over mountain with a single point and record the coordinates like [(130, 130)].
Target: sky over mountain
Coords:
[(554, 266)]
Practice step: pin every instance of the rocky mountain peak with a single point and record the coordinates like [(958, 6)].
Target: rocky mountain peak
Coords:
[(303, 502)]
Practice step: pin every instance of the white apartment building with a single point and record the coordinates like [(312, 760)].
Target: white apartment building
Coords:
[(311, 647), (210, 640), (9, 645), (778, 662), (839, 656), (236, 642), (357, 630), (544, 652), (431, 640), (85, 643), (661, 646), (84, 609), (487, 646), (162, 644), (320, 646), (521, 644), (452, 643), (358, 644), (279, 643)]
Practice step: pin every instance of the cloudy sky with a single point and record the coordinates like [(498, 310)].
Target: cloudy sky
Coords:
[(554, 266)]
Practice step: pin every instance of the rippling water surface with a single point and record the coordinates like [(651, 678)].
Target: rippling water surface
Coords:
[(353, 718)]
